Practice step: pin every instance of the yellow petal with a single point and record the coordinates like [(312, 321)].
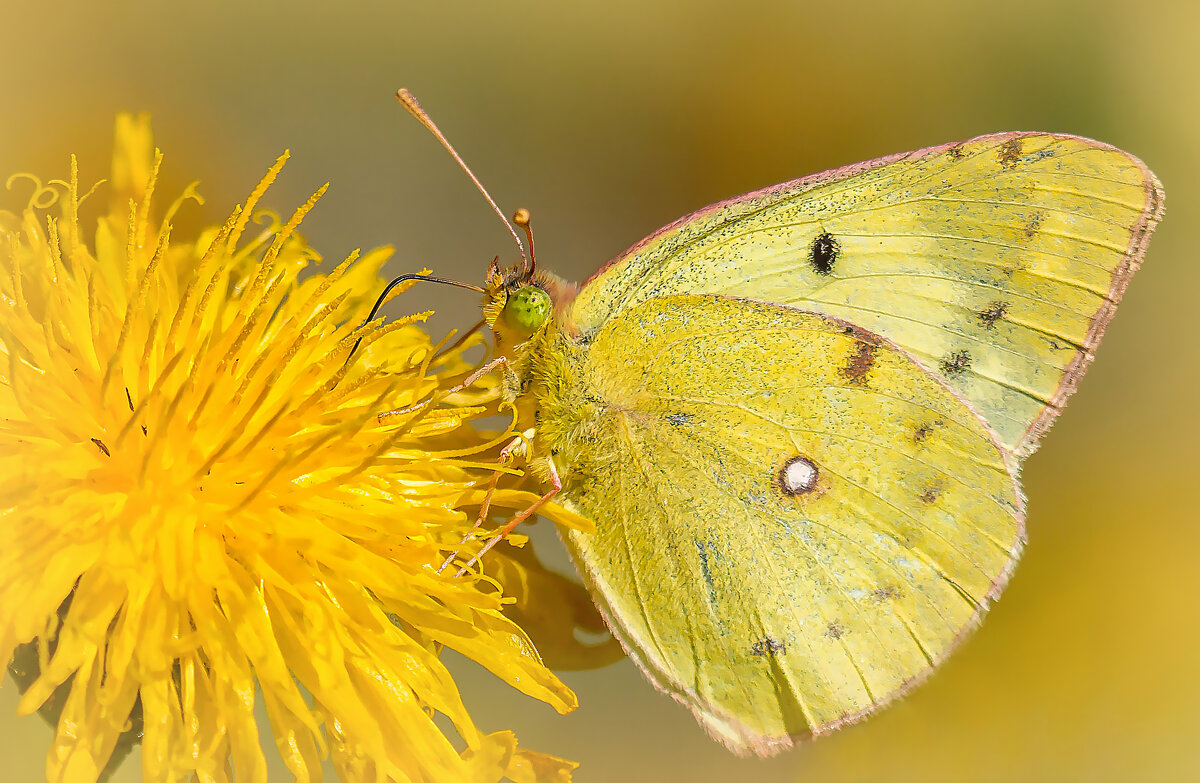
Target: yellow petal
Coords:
[(552, 609)]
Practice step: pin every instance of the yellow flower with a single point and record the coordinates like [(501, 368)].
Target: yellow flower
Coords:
[(197, 499)]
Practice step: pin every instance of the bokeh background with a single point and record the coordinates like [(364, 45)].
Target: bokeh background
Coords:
[(610, 119)]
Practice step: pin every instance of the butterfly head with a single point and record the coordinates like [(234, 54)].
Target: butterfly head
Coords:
[(519, 302)]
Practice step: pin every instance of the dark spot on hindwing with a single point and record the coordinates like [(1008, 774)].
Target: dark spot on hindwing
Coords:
[(835, 630), (679, 419), (989, 315), (860, 362), (767, 646), (955, 364), (955, 152), (923, 430), (931, 494), (886, 593), (1033, 224), (1010, 152), (823, 252)]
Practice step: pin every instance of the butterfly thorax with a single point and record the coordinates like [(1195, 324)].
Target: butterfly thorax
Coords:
[(544, 357)]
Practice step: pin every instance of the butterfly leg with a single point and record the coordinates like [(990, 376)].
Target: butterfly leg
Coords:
[(555, 487), (505, 457), (499, 361)]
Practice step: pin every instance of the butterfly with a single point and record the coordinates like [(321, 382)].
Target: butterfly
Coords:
[(796, 417)]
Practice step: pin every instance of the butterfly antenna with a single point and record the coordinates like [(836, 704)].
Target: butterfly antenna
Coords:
[(403, 279), (521, 218), (410, 103)]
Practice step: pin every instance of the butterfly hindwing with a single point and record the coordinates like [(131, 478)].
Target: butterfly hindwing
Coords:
[(996, 262), (794, 520)]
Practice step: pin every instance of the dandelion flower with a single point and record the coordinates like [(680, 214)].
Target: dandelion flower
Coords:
[(199, 506)]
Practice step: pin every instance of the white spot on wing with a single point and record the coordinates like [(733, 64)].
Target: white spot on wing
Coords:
[(798, 475)]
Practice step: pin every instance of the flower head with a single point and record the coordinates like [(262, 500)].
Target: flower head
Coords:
[(198, 501)]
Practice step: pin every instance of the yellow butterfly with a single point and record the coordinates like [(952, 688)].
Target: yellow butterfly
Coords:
[(796, 417)]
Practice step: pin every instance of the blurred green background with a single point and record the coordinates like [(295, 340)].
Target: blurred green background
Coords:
[(608, 120)]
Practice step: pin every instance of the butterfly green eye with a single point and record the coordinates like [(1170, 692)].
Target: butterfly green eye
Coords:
[(527, 309)]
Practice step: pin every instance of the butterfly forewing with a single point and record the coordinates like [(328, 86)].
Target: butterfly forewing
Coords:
[(794, 520), (995, 262)]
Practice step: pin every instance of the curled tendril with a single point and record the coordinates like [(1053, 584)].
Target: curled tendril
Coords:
[(43, 197), (189, 193), (269, 218), (67, 186)]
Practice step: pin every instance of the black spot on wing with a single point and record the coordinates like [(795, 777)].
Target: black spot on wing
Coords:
[(886, 593), (989, 315), (823, 253), (1033, 224), (767, 646), (923, 430), (955, 152), (835, 630), (679, 419), (955, 364)]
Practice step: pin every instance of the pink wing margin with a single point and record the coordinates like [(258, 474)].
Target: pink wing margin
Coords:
[(1139, 239)]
